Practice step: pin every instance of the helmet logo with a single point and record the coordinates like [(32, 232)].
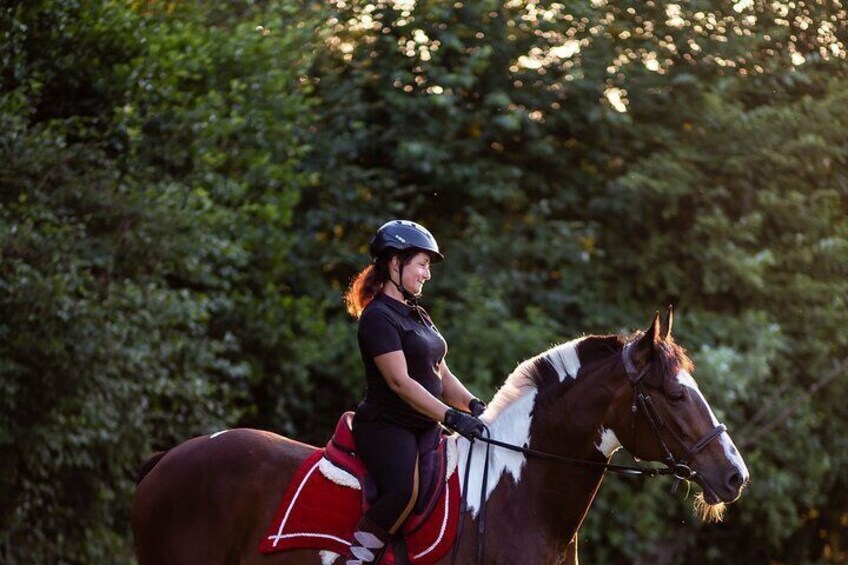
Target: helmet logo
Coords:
[(399, 238)]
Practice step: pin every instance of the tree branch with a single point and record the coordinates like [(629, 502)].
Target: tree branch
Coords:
[(791, 407)]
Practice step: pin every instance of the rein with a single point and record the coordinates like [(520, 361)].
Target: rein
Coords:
[(620, 469), (679, 469)]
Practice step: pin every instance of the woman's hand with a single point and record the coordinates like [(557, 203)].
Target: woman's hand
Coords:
[(466, 425), (476, 407)]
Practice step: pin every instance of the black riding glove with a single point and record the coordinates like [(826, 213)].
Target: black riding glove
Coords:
[(476, 407), (465, 424)]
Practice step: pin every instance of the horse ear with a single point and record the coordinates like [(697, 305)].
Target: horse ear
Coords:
[(654, 330), (645, 345), (665, 327)]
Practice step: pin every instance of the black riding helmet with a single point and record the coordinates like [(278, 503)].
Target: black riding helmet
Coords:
[(400, 235)]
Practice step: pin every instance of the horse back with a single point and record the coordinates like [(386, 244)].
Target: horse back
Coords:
[(210, 499), (148, 464)]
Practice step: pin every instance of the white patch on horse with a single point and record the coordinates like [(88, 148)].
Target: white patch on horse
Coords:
[(327, 557), (565, 360), (216, 434), (608, 443), (730, 451), (508, 418), (338, 475)]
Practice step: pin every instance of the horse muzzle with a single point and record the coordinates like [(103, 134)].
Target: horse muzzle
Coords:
[(724, 487)]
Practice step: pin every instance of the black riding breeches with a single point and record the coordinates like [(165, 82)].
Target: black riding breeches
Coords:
[(390, 453)]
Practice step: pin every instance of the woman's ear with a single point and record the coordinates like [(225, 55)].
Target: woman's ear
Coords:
[(394, 265)]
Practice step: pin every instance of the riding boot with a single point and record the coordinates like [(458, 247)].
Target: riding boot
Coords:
[(399, 549), (369, 545)]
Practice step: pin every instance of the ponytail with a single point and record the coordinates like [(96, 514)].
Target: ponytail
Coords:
[(369, 282), (363, 288)]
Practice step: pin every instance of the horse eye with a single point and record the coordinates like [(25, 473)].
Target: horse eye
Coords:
[(677, 395)]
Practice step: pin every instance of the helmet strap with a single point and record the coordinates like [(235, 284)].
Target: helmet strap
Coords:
[(410, 298)]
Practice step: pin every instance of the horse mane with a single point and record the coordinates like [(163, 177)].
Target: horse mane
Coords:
[(558, 367), (672, 359)]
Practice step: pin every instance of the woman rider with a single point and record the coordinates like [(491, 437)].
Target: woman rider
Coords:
[(410, 388)]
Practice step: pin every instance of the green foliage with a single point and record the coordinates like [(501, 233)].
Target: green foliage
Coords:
[(148, 186), (716, 182), (187, 190)]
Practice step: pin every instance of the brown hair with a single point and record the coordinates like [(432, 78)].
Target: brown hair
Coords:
[(368, 283), (363, 288)]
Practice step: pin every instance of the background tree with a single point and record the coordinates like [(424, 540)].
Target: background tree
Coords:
[(597, 160), (187, 190), (150, 171)]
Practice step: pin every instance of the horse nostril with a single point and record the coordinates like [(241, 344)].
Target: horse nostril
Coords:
[(736, 481)]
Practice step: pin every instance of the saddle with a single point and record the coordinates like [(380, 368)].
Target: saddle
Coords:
[(432, 464)]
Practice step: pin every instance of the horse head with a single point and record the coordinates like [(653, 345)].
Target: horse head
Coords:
[(663, 416)]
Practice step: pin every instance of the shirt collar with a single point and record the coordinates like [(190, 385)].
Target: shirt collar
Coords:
[(396, 305)]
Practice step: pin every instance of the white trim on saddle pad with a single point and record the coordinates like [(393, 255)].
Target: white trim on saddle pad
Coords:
[(442, 528), (452, 457), (337, 474)]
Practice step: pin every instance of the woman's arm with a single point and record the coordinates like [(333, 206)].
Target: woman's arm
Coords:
[(393, 367), (453, 391)]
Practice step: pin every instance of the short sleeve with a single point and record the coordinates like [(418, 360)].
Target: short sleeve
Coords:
[(378, 333)]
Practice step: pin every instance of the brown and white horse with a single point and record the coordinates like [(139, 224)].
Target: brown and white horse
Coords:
[(211, 499)]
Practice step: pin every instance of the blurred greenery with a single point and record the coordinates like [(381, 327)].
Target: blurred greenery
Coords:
[(187, 188)]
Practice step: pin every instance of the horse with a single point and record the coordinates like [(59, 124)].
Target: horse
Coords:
[(211, 499)]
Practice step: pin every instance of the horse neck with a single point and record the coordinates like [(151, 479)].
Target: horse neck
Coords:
[(566, 423), (573, 425)]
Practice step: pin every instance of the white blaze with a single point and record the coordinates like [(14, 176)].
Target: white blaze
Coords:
[(730, 451)]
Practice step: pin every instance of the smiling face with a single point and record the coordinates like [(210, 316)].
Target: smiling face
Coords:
[(415, 273)]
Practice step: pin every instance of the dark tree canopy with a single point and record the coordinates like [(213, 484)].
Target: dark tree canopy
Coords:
[(186, 191)]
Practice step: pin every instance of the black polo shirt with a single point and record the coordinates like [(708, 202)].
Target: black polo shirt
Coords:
[(388, 325)]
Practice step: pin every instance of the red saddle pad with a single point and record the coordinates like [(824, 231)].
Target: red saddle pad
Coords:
[(319, 513)]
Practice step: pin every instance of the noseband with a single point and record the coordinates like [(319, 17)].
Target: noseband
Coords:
[(680, 467)]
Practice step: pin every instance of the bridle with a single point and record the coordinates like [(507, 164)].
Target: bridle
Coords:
[(678, 468)]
